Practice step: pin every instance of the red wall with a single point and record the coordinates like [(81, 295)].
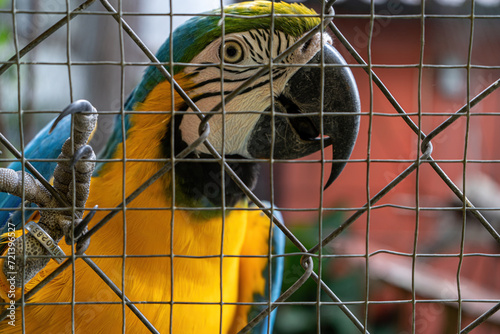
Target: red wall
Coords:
[(398, 42)]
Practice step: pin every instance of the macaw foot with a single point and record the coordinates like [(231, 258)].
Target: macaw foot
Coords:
[(72, 175)]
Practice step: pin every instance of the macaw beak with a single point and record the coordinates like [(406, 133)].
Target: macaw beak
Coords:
[(301, 123)]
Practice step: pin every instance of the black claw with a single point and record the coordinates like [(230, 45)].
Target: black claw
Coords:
[(82, 247), (83, 152), (73, 108), (78, 230)]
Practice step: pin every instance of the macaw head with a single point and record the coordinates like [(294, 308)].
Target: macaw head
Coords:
[(290, 112)]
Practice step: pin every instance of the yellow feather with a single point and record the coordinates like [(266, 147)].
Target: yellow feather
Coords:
[(147, 223)]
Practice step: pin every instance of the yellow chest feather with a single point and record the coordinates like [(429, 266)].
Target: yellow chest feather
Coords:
[(141, 246)]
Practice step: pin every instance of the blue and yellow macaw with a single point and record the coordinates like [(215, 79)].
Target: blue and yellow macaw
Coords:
[(198, 290)]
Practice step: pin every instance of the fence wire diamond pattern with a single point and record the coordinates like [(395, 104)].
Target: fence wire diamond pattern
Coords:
[(424, 142)]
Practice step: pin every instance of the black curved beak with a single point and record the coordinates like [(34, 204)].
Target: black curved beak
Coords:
[(304, 120)]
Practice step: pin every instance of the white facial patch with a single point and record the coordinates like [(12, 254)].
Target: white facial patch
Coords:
[(242, 112)]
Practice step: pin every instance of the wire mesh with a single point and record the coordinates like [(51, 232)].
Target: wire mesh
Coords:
[(382, 265)]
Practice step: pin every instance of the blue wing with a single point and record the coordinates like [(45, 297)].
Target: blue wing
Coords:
[(43, 146), (278, 248)]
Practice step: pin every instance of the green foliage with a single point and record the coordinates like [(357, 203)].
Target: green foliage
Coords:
[(345, 280), (4, 35), (302, 319), (5, 30)]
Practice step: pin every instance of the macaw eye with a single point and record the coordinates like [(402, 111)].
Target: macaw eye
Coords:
[(233, 52)]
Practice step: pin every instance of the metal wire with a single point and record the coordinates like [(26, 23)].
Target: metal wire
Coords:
[(307, 255)]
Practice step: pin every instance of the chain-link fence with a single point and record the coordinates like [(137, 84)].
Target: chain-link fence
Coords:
[(393, 246)]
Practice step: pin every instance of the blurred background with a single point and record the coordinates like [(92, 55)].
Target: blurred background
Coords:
[(398, 265)]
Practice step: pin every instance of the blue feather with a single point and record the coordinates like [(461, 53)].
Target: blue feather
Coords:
[(278, 244)]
